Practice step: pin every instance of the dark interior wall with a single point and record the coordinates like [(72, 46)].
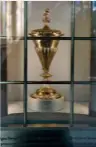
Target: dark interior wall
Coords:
[(92, 110), (93, 51), (3, 96), (3, 61)]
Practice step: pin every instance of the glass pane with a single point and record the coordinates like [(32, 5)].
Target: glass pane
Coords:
[(60, 14), (15, 61), (19, 19), (59, 67), (50, 109), (94, 18), (82, 97), (85, 60), (82, 60), (3, 7), (12, 48), (12, 105), (82, 17), (15, 98), (15, 20), (85, 100)]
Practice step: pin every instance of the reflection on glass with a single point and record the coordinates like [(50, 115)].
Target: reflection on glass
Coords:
[(3, 5), (15, 21), (82, 17), (15, 98), (9, 22), (82, 95), (15, 58), (19, 19), (94, 5)]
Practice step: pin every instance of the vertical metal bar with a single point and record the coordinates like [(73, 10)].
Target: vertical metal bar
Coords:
[(25, 63), (72, 64), (91, 34)]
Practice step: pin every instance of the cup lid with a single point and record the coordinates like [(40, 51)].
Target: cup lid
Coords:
[(46, 30)]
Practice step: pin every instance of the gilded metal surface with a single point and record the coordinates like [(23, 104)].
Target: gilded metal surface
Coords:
[(46, 49), (46, 92)]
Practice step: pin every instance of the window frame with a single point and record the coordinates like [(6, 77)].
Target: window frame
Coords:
[(72, 82)]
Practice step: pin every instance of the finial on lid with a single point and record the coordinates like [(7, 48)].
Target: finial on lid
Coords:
[(46, 19)]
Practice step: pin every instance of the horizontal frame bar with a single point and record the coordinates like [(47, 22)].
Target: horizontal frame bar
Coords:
[(62, 38), (89, 128), (50, 38), (49, 82), (47, 122)]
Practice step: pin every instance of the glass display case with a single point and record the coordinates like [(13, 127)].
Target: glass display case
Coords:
[(73, 67)]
